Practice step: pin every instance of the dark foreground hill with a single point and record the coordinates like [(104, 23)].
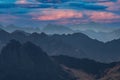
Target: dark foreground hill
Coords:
[(86, 69), (28, 62)]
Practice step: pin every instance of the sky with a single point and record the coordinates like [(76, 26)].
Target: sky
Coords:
[(41, 12)]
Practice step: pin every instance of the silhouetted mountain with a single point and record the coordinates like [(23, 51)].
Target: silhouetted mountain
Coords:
[(19, 35), (86, 65), (56, 29), (75, 45), (4, 35), (20, 32), (112, 74), (28, 62)]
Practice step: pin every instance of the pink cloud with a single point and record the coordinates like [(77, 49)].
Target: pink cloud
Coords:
[(21, 1), (53, 14), (26, 1), (104, 17), (112, 6)]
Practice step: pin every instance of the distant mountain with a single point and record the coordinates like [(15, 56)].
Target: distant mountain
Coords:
[(76, 45), (29, 62), (93, 30), (116, 33), (19, 35), (57, 29), (103, 36), (12, 28), (20, 32), (98, 27)]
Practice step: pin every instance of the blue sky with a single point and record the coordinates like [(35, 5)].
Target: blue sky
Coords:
[(39, 12)]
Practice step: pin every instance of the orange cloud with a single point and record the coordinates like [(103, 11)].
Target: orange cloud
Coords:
[(104, 17), (57, 15)]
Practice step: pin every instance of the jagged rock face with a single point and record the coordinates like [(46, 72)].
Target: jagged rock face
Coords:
[(28, 62)]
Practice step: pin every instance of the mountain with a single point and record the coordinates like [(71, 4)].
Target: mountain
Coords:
[(4, 35), (92, 30), (86, 65), (116, 33), (12, 28), (26, 61), (56, 29), (19, 35), (20, 32), (86, 69), (29, 62), (75, 45), (112, 74), (102, 36)]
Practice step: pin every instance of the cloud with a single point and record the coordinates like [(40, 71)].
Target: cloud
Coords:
[(87, 6), (69, 5), (26, 2), (7, 1), (60, 11), (94, 7), (112, 6), (104, 17), (53, 1), (21, 1), (30, 6), (52, 14)]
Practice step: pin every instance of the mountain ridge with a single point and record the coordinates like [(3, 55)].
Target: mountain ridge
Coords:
[(29, 62), (76, 45)]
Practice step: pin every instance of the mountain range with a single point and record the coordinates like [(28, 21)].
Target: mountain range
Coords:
[(76, 45), (103, 36), (29, 62), (102, 33), (12, 28), (26, 61), (56, 29), (86, 69)]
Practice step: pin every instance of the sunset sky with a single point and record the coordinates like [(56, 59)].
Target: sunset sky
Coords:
[(40, 12)]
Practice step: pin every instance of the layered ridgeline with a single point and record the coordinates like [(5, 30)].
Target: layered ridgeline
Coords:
[(75, 45), (86, 69), (28, 62), (93, 30)]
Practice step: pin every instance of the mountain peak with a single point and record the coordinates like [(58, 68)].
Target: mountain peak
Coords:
[(19, 32), (28, 62)]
